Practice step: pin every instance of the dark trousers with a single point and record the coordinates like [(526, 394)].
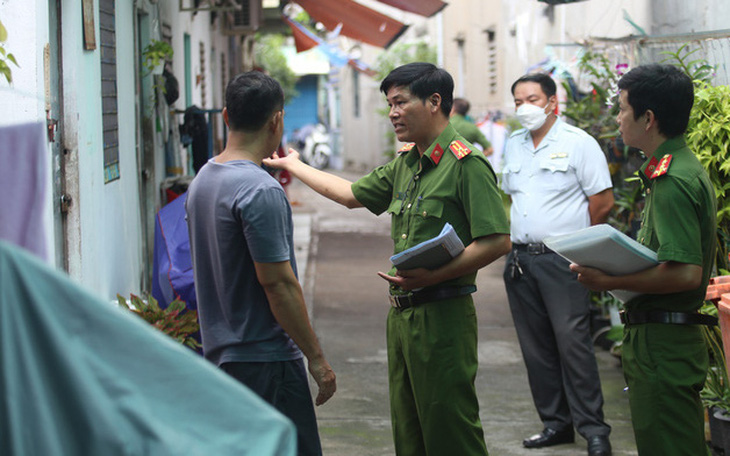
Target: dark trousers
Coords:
[(551, 314), (283, 384)]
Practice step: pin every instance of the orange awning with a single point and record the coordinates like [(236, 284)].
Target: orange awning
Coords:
[(358, 22), (423, 7)]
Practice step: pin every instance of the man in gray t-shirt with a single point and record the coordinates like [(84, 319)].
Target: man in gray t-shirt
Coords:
[(253, 320)]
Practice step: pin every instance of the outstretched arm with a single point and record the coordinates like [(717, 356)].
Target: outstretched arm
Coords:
[(669, 277), (328, 185), (287, 304), (481, 252)]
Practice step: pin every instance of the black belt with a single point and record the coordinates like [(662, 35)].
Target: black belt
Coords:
[(415, 298), (637, 317), (534, 248)]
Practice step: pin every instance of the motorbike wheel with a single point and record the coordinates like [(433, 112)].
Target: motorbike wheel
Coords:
[(320, 156)]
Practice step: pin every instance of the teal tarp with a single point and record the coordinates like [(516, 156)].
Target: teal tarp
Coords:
[(79, 376)]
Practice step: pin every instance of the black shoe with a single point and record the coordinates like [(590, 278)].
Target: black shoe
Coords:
[(549, 437), (598, 445)]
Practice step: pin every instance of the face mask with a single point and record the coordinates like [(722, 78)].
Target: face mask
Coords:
[(531, 117)]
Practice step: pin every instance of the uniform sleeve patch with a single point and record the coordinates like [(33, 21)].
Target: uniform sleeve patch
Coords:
[(662, 167), (459, 149)]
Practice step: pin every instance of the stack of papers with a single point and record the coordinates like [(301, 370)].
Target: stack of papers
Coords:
[(432, 253), (604, 247)]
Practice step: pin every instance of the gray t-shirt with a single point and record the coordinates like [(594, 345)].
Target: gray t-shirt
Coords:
[(237, 214)]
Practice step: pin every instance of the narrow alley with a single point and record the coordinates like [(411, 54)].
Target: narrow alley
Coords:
[(347, 300)]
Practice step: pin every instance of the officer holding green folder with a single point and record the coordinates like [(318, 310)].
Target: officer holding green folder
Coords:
[(437, 177)]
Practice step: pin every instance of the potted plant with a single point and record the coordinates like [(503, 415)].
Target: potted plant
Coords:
[(175, 320), (716, 393), (155, 55)]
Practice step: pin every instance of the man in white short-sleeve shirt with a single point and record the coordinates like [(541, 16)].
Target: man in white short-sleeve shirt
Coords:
[(558, 180)]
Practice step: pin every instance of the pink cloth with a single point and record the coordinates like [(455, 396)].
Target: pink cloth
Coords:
[(23, 170)]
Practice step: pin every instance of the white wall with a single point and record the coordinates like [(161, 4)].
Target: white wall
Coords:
[(104, 224), (681, 16)]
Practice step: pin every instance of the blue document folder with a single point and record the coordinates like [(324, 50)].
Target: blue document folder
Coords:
[(430, 254)]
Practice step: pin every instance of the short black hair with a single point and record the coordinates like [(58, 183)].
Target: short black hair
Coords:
[(251, 99), (665, 90), (547, 84), (423, 80), (461, 106)]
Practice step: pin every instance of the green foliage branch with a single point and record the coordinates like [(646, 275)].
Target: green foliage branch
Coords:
[(155, 54), (268, 55), (708, 136), (6, 56)]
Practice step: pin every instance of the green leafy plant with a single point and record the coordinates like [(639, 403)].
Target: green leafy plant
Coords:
[(594, 112), (175, 320), (717, 386), (698, 69), (155, 54), (708, 136), (628, 201), (5, 56), (268, 55)]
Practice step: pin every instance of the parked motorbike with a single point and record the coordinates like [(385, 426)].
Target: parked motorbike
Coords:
[(313, 143)]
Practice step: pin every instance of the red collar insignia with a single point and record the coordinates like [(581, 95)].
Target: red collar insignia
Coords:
[(662, 167), (436, 154), (651, 166), (459, 149)]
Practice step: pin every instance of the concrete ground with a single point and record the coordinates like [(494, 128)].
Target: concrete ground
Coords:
[(339, 252)]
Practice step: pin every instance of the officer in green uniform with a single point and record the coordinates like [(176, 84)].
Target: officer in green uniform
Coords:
[(431, 328), (664, 354), (466, 127)]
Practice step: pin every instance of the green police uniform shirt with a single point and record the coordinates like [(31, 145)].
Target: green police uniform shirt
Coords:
[(679, 221), (449, 183), (469, 131)]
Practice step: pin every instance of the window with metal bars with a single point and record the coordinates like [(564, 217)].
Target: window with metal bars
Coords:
[(110, 123)]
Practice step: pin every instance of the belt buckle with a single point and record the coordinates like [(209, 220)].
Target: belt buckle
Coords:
[(396, 301), (534, 249), (623, 317)]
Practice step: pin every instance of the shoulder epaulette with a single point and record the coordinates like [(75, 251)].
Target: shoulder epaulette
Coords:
[(407, 147), (662, 167), (459, 149)]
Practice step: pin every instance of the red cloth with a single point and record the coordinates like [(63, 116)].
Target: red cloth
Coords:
[(358, 21)]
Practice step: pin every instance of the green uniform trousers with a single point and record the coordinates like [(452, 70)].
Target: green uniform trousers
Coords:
[(665, 367), (432, 365)]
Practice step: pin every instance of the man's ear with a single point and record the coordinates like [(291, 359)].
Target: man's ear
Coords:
[(650, 119), (276, 119), (225, 117), (434, 102), (554, 101)]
